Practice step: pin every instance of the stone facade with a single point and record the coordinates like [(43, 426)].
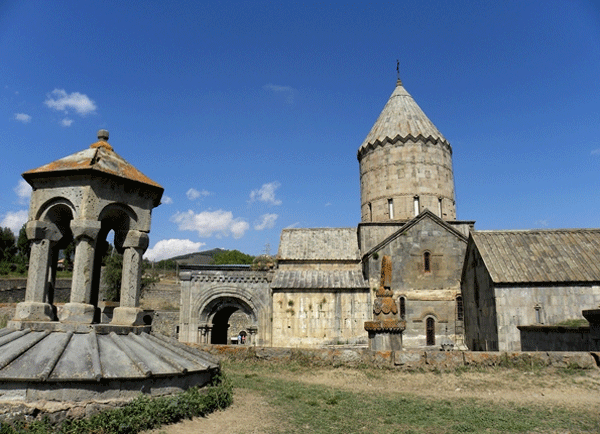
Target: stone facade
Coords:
[(526, 278), (427, 256)]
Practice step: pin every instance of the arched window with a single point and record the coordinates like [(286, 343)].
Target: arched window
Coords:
[(427, 262), (370, 212), (430, 331), (402, 301), (460, 310), (417, 205), (391, 208)]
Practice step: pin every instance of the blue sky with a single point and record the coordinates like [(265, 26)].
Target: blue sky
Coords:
[(250, 114)]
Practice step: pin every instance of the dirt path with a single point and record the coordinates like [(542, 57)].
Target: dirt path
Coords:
[(249, 414)]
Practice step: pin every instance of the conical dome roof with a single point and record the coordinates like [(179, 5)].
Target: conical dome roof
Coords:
[(400, 119)]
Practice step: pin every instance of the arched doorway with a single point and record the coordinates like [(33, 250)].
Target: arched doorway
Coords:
[(226, 317), (221, 325)]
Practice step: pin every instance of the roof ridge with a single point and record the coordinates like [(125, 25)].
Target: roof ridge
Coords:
[(492, 231)]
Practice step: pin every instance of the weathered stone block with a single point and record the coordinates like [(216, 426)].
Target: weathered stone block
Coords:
[(409, 359)]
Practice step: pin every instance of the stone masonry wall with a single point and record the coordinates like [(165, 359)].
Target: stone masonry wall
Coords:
[(400, 171), (405, 360), (516, 306), (319, 317)]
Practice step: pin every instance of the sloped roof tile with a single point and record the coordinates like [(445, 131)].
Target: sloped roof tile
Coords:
[(318, 279), (558, 255), (319, 244)]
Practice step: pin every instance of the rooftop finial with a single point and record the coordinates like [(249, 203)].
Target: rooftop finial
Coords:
[(398, 81), (102, 141), (103, 135)]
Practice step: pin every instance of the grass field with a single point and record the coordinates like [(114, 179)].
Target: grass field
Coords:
[(304, 399)]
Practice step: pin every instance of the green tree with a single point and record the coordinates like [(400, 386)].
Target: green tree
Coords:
[(232, 257), (23, 247), (68, 253), (113, 272), (111, 275), (8, 247)]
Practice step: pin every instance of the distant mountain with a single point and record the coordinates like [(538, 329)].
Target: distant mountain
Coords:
[(198, 258)]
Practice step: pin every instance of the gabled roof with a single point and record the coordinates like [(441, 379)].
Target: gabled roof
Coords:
[(319, 244), (99, 157), (410, 224), (558, 255), (319, 279), (402, 119)]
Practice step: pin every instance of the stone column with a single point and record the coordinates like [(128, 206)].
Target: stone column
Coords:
[(209, 334), (252, 335), (36, 306), (79, 309), (129, 312)]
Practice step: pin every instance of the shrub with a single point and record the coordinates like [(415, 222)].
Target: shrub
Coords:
[(143, 413)]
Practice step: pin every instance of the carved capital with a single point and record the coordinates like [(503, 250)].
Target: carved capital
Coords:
[(85, 228), (137, 240), (40, 230)]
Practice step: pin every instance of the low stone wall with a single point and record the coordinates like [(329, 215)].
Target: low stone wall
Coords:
[(407, 360), (161, 299), (165, 323), (556, 338), (13, 290)]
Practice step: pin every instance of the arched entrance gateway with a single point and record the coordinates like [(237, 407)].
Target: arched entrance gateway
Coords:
[(219, 302), (227, 318)]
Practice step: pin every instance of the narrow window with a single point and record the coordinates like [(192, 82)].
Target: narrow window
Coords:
[(430, 331), (370, 212), (427, 262), (440, 206), (538, 314), (416, 202), (391, 208), (460, 312), (402, 307)]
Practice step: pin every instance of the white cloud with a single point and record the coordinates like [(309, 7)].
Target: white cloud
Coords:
[(166, 249), (221, 223), (596, 152), (60, 100), (267, 222), (543, 223), (266, 193), (286, 91), (193, 194), (293, 225), (66, 122), (23, 191), (22, 117), (14, 220), (166, 200), (328, 204)]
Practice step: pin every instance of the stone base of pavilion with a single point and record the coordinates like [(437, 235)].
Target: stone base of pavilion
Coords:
[(62, 371)]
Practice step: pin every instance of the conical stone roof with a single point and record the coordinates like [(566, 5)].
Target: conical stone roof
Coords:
[(402, 119)]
